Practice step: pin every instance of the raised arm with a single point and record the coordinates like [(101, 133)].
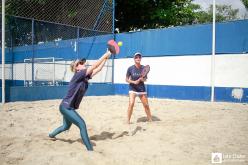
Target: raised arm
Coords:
[(104, 57), (99, 68)]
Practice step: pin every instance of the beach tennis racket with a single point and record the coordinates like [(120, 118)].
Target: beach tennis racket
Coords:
[(145, 71), (113, 47)]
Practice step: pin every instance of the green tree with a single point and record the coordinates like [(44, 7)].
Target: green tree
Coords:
[(245, 2), (154, 13), (71, 12), (223, 13), (79, 13)]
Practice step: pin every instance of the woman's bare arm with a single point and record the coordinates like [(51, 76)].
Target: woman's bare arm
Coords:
[(128, 80), (99, 68), (98, 62)]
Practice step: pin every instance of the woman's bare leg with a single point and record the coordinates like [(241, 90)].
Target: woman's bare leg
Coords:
[(144, 101), (132, 97)]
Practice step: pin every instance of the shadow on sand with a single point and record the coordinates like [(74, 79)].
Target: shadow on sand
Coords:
[(144, 119)]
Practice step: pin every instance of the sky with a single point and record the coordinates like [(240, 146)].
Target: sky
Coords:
[(236, 4)]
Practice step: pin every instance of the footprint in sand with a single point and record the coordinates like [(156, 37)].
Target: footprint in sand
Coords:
[(73, 154), (127, 133), (118, 135), (3, 147)]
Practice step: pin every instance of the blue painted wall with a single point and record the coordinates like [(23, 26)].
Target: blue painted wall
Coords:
[(90, 48), (172, 92), (231, 37), (52, 92), (225, 94), (157, 91), (187, 92)]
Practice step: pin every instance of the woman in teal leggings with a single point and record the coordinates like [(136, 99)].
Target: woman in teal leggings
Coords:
[(77, 88)]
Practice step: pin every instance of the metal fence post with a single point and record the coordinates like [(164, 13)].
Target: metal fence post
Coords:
[(53, 71), (3, 52), (11, 52), (77, 42), (32, 52), (113, 32)]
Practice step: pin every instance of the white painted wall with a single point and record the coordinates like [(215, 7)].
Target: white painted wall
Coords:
[(231, 70), (44, 72)]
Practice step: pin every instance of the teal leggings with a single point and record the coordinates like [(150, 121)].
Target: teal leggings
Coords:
[(69, 117)]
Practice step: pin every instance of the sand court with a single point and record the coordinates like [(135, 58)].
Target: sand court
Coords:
[(183, 132)]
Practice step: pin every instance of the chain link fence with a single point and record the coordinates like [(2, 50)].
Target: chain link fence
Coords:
[(44, 36)]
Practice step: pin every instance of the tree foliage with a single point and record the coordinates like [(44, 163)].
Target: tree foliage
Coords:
[(143, 14), (82, 13), (223, 13), (129, 15), (245, 2)]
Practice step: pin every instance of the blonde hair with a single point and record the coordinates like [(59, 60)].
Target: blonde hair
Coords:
[(74, 65)]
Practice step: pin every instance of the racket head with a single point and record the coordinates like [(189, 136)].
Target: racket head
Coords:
[(113, 47), (145, 71)]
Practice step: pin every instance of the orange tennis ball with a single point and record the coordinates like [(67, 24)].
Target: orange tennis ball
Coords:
[(120, 43)]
